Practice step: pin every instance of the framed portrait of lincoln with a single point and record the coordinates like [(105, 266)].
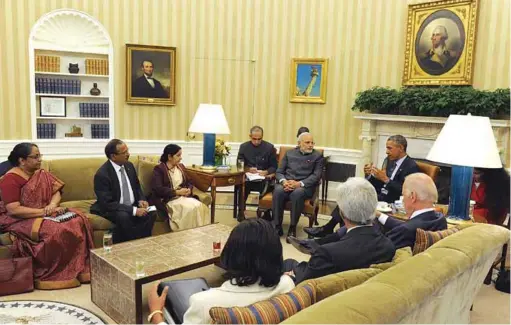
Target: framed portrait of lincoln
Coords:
[(440, 43), (150, 75)]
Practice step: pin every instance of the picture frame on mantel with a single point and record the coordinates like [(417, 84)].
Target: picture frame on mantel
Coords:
[(308, 79), (52, 106), (150, 75), (440, 43)]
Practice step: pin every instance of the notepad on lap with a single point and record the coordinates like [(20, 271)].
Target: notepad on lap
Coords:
[(63, 217)]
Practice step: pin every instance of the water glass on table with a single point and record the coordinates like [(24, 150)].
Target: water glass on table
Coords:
[(139, 269), (240, 164), (107, 242)]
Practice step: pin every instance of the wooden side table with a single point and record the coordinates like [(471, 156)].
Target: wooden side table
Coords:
[(203, 179)]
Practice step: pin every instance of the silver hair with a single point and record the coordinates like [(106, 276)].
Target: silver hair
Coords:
[(256, 128), (422, 185), (300, 137), (399, 140), (441, 30), (357, 199)]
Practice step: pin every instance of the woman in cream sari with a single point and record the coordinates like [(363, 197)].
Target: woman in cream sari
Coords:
[(171, 192)]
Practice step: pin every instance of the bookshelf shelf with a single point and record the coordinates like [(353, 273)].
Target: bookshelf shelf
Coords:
[(82, 41), (73, 118), (70, 95), (71, 74)]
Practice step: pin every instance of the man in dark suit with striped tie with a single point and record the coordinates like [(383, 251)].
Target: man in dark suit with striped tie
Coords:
[(387, 181), (120, 197)]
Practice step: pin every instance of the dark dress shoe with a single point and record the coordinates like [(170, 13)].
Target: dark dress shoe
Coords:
[(300, 245), (279, 230), (291, 233), (317, 231)]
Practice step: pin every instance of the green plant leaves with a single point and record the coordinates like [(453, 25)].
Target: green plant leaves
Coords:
[(435, 101)]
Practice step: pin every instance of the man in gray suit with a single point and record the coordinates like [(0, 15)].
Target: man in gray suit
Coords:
[(297, 178)]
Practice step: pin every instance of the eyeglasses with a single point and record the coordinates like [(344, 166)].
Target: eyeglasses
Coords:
[(123, 153), (36, 157)]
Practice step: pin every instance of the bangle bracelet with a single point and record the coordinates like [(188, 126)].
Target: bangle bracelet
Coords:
[(152, 314)]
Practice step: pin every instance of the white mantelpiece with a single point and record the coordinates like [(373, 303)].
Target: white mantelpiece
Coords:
[(420, 132)]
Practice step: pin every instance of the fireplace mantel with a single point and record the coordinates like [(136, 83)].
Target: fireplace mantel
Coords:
[(420, 131)]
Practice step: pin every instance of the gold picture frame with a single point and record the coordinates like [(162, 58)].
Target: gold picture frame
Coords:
[(150, 75), (304, 86), (440, 42)]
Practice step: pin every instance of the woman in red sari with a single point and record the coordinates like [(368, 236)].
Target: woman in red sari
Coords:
[(60, 251), (490, 191)]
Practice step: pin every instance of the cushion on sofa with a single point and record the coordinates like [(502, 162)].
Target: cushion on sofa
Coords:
[(331, 284), (424, 239), (145, 173), (97, 222), (401, 255), (271, 311), (78, 175)]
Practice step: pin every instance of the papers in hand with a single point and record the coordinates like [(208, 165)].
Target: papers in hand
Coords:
[(254, 177)]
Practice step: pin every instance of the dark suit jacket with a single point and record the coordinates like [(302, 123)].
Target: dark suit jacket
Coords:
[(359, 248), (395, 186), (142, 88), (402, 233), (162, 188), (108, 190), (306, 168)]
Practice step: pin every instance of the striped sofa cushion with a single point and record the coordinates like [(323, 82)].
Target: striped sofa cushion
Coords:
[(271, 311), (424, 239)]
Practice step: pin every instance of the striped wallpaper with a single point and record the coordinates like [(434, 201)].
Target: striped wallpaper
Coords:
[(237, 53)]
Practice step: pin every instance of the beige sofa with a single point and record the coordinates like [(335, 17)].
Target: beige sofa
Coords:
[(437, 286), (78, 175)]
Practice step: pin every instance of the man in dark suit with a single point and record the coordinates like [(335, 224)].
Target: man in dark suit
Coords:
[(259, 158), (120, 198), (362, 245), (387, 181), (146, 85), (419, 196), (297, 178)]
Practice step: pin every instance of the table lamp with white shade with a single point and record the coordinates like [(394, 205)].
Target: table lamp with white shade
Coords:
[(209, 120), (464, 142)]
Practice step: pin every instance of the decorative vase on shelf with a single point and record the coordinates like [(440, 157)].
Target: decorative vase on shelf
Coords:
[(95, 91), (73, 68)]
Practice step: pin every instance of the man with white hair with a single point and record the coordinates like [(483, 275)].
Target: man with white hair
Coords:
[(419, 196), (362, 245), (439, 59), (297, 177)]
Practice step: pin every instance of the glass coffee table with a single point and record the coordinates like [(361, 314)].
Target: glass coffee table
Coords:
[(115, 286)]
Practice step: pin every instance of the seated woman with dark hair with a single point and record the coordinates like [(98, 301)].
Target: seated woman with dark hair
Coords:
[(490, 191), (171, 192), (253, 259), (60, 250)]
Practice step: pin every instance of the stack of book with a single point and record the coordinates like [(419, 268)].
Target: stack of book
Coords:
[(100, 131), (96, 66), (46, 63), (46, 130), (58, 86), (94, 109)]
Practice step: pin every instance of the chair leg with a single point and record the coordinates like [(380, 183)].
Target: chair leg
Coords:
[(259, 213), (487, 279)]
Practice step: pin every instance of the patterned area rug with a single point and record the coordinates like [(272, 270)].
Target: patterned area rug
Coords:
[(45, 312)]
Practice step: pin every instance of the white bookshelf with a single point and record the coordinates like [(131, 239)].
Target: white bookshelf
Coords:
[(73, 36)]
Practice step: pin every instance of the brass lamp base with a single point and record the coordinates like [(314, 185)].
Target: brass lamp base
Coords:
[(208, 168)]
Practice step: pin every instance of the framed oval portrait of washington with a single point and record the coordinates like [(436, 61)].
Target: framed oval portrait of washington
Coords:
[(440, 43)]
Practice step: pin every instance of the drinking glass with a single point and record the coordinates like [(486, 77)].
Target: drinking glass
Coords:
[(107, 242), (217, 245), (139, 269), (241, 164)]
